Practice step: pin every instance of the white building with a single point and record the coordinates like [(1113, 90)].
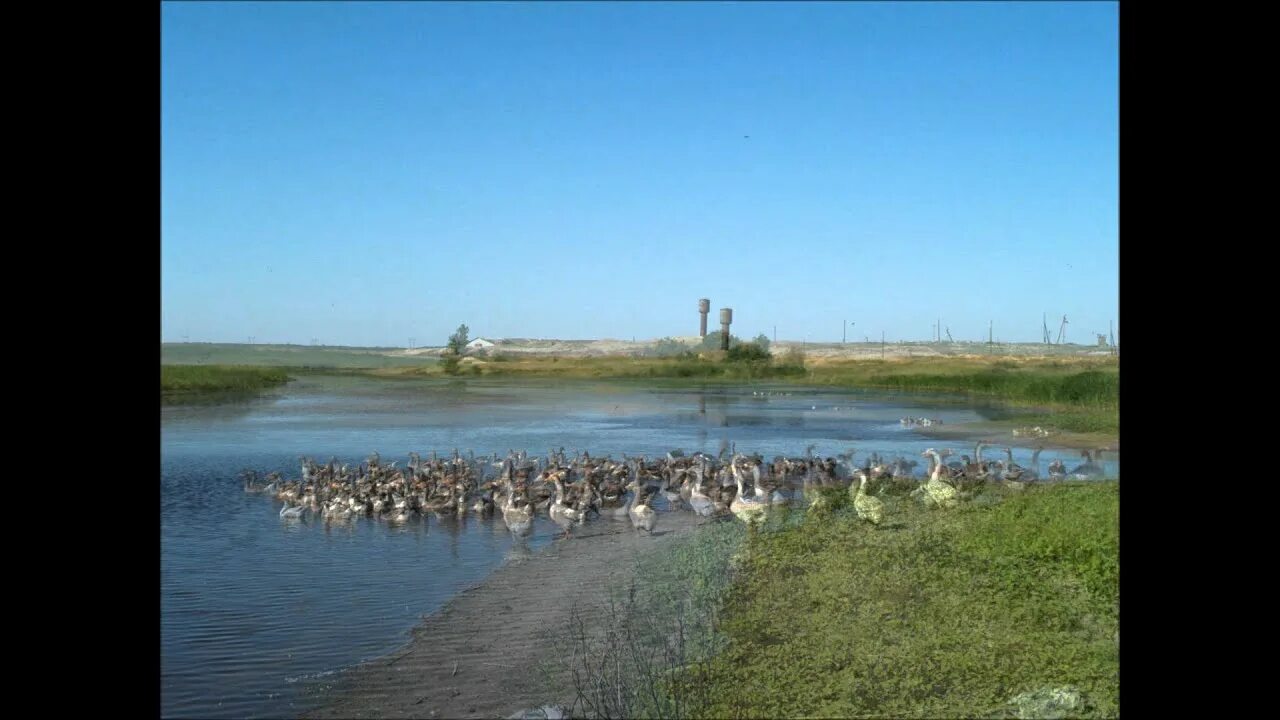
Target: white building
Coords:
[(479, 344)]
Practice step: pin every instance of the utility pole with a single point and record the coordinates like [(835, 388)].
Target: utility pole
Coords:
[(1044, 320), (775, 333), (1062, 329), (949, 339), (1112, 326), (881, 344), (411, 341)]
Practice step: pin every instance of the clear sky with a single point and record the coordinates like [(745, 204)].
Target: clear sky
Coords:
[(364, 173)]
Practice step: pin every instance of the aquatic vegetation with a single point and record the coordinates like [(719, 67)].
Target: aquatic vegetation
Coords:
[(181, 382)]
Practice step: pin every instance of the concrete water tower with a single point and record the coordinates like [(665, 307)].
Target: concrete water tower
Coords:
[(726, 317), (704, 307)]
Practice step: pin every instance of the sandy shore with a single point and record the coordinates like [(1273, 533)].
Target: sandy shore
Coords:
[(481, 655)]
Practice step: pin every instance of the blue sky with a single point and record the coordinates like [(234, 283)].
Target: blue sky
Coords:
[(363, 173)]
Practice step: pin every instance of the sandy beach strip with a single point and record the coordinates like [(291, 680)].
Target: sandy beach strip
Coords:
[(482, 655)]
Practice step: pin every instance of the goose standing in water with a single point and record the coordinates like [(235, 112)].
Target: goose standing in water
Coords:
[(1015, 476), (561, 513), (1088, 470), (1031, 473), (869, 508), (292, 512), (519, 520), (1057, 470)]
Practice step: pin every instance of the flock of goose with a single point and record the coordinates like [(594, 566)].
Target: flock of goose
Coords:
[(572, 489)]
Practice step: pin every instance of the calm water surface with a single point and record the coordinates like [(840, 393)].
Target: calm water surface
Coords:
[(255, 608)]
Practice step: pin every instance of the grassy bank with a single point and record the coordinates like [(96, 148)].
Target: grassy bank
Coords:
[(1077, 394), (1082, 382), (935, 614), (946, 614), (287, 356), (180, 383)]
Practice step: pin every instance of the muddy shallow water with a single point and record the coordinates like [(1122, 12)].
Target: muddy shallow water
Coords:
[(254, 608)]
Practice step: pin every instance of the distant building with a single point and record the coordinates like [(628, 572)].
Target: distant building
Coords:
[(479, 344), (1102, 339)]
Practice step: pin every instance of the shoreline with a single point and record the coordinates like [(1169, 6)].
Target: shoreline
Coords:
[(1001, 433), (481, 654)]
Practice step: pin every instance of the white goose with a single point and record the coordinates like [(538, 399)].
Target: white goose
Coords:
[(642, 516)]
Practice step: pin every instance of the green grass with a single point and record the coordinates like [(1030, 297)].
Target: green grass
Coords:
[(192, 382), (1073, 419), (1054, 382), (938, 614), (291, 356), (1077, 395)]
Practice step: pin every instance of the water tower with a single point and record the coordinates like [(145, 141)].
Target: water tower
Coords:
[(726, 317), (704, 307)]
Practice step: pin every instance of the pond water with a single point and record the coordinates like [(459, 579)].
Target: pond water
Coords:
[(253, 607)]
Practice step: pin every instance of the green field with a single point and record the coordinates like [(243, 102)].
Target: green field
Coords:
[(970, 612), (293, 356)]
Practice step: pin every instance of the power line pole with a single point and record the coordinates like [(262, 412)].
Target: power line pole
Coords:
[(1044, 320), (1112, 326), (881, 344)]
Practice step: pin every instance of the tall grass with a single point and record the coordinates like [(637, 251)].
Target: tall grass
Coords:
[(1081, 383), (181, 382)]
